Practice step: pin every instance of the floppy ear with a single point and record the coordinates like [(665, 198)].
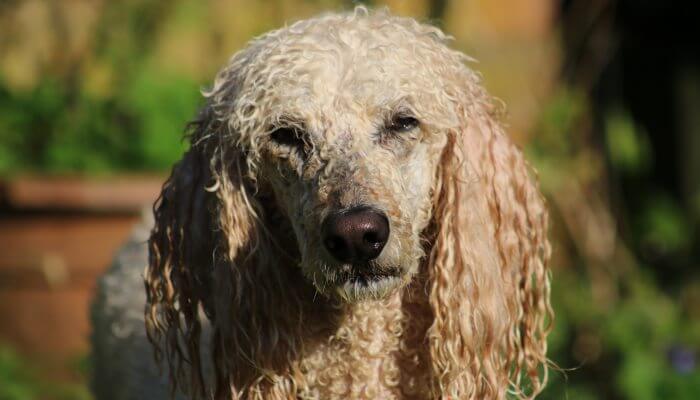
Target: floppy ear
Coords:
[(489, 281), (203, 216)]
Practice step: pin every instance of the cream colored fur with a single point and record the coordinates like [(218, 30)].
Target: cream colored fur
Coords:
[(237, 230)]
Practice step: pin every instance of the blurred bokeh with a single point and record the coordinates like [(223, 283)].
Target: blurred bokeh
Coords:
[(603, 95)]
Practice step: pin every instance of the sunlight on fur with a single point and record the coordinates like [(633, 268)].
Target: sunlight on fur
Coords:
[(445, 295)]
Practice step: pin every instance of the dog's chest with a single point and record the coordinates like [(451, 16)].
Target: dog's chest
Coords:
[(378, 352)]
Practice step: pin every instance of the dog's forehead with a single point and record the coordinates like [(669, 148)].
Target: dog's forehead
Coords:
[(345, 68)]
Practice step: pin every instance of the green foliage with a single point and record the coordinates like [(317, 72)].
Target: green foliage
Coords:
[(619, 351), (160, 107), (134, 121), (627, 145), (18, 381), (618, 332), (556, 149), (54, 129), (664, 225)]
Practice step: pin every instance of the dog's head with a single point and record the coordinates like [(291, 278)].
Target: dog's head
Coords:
[(357, 148), (346, 128)]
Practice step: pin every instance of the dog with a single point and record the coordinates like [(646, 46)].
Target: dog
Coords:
[(350, 221)]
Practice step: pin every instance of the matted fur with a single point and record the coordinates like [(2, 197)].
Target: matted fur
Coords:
[(237, 226)]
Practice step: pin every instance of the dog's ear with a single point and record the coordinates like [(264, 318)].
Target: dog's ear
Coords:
[(488, 267), (203, 217)]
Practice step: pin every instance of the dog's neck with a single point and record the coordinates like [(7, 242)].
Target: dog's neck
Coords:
[(328, 349)]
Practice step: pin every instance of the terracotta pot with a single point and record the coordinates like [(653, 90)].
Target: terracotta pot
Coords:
[(57, 235)]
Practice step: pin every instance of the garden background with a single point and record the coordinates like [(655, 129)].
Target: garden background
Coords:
[(603, 96)]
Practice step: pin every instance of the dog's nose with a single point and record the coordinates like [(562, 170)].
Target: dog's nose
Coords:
[(356, 235)]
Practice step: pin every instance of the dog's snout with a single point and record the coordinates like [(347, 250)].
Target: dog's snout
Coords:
[(356, 235)]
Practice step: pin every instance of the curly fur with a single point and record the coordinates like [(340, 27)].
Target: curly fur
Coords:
[(236, 226)]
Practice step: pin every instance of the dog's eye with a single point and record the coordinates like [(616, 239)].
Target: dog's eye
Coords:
[(287, 136), (402, 123)]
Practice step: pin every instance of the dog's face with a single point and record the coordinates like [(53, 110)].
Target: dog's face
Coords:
[(355, 184), (349, 145)]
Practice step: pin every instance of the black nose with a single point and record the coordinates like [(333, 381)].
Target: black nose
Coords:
[(356, 235)]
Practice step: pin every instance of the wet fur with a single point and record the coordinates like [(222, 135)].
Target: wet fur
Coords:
[(236, 226)]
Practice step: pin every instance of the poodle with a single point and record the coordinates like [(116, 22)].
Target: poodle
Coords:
[(350, 221)]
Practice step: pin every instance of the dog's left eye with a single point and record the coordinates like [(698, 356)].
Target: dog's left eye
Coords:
[(287, 137), (402, 123)]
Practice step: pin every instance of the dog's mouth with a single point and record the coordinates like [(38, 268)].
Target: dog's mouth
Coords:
[(367, 283)]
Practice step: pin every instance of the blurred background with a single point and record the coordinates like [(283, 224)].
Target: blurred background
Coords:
[(603, 96)]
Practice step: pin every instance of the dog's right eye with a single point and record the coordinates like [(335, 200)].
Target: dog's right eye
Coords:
[(290, 137)]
